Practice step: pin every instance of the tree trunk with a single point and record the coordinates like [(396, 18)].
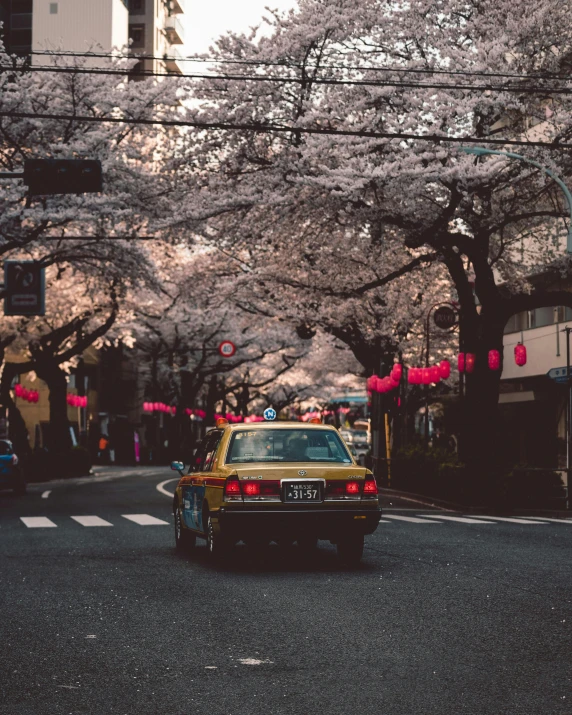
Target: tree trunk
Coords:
[(55, 379), (18, 432)]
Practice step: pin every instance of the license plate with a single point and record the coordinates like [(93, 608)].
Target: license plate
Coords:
[(302, 491)]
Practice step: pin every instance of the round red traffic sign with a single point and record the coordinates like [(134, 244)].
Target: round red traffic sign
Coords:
[(226, 348)]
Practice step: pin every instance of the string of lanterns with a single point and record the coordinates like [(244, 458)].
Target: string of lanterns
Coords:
[(27, 395), (76, 400), (434, 374)]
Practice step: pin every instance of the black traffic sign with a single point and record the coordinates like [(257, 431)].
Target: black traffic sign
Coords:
[(445, 317), (62, 176), (25, 288)]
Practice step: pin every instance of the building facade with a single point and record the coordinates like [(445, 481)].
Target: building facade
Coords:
[(156, 31)]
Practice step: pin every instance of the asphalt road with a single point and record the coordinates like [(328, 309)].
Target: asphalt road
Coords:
[(443, 616)]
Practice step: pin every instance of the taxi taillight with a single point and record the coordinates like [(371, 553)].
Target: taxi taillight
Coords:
[(232, 490), (352, 487), (370, 486), (251, 489)]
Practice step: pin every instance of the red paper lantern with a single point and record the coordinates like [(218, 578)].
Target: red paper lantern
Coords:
[(397, 372), (494, 360), (18, 390), (469, 362), (435, 374), (173, 409), (445, 369), (461, 362), (426, 375), (411, 375), (520, 354)]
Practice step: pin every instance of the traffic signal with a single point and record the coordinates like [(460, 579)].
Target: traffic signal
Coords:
[(62, 176), (24, 288)]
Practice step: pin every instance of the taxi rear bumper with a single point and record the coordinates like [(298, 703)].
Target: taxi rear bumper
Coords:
[(323, 523)]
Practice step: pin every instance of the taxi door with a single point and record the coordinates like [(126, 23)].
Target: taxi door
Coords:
[(194, 493)]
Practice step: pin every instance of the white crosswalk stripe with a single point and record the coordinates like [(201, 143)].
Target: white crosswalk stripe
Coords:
[(462, 519), (91, 521), (38, 522), (556, 521), (511, 520), (144, 519), (412, 519)]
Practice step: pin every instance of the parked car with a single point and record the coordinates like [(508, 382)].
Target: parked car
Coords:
[(275, 481), (11, 476)]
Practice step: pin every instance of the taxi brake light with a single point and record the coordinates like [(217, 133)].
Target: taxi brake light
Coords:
[(251, 489), (232, 487), (315, 421), (221, 422), (370, 487), (352, 488)]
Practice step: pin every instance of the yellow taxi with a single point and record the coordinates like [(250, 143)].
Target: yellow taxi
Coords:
[(275, 481)]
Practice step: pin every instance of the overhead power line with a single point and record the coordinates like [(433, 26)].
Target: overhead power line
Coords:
[(398, 84), (295, 65), (281, 129)]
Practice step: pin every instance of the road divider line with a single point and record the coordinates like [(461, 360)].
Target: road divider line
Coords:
[(37, 522), (412, 519), (161, 487), (462, 519), (556, 521), (91, 521), (145, 519), (46, 494)]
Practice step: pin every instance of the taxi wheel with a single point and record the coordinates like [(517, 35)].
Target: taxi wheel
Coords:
[(216, 544), (184, 540), (350, 549)]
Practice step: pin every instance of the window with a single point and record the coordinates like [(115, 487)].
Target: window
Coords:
[(137, 35), (204, 457), (137, 7), (53, 8), (286, 445), (543, 316), (21, 6)]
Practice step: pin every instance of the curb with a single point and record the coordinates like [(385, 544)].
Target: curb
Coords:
[(451, 506)]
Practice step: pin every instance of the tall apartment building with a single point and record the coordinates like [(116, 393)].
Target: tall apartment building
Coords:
[(154, 28)]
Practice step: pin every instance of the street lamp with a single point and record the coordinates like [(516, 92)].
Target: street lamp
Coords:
[(480, 151)]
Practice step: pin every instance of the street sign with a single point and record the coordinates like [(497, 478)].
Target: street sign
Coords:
[(445, 317), (25, 288), (227, 348), (558, 374), (62, 176)]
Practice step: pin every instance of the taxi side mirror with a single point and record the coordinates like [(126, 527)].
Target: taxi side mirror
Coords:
[(178, 467)]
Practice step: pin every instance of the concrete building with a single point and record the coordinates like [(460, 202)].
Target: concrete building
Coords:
[(154, 28), (156, 31)]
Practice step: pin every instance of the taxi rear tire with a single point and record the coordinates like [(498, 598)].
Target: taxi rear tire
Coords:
[(350, 549), (184, 540), (217, 545)]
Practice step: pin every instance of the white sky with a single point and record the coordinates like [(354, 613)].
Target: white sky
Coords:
[(205, 20)]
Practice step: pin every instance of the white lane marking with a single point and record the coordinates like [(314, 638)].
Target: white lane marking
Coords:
[(412, 519), (144, 519), (37, 522), (91, 521), (384, 521), (556, 521), (253, 661), (160, 487), (462, 519), (511, 519), (45, 495)]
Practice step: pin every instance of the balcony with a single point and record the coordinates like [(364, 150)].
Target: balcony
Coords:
[(173, 60), (174, 30), (176, 7)]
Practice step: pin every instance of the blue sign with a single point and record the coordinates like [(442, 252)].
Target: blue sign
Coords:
[(269, 414), (558, 374)]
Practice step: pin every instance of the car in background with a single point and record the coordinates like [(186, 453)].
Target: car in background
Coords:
[(275, 481), (358, 442), (11, 476)]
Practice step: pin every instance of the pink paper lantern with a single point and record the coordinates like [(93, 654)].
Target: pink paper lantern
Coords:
[(520, 354), (461, 362), (426, 375), (469, 362), (18, 390), (397, 372), (173, 409), (494, 360), (445, 369)]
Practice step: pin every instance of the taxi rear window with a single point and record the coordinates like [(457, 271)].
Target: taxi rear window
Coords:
[(286, 445)]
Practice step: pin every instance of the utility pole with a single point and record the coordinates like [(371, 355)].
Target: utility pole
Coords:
[(568, 330)]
